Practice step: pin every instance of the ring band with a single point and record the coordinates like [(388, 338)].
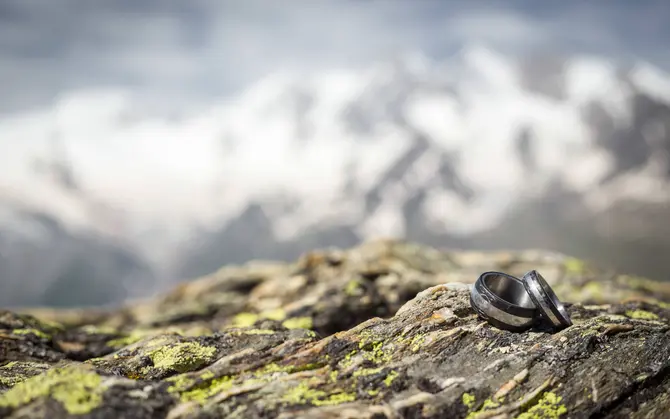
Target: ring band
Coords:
[(502, 300), (548, 304)]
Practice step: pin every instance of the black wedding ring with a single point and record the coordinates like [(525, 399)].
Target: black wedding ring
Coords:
[(546, 301), (514, 304), (502, 300)]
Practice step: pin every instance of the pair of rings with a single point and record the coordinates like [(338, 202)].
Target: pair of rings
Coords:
[(514, 304)]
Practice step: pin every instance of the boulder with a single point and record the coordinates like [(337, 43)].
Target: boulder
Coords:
[(382, 330)]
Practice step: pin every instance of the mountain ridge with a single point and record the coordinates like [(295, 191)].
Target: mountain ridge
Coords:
[(441, 152)]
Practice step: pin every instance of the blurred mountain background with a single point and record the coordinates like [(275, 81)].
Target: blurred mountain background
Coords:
[(147, 142)]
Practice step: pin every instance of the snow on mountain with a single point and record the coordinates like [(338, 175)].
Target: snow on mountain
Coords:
[(458, 145)]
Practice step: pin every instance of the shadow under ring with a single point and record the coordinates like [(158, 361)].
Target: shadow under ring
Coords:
[(503, 301)]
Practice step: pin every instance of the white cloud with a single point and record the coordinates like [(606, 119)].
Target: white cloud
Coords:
[(177, 52)]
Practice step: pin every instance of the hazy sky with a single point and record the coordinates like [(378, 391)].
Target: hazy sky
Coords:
[(178, 52)]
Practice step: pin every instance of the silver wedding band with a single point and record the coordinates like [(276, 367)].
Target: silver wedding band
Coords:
[(548, 304), (514, 304), (502, 300)]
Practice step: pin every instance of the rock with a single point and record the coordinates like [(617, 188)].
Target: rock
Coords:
[(381, 330)]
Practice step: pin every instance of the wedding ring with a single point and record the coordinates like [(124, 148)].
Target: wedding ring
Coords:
[(503, 301), (548, 304)]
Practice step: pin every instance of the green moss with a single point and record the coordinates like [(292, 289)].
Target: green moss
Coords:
[(641, 315), (549, 407), (390, 377), (298, 323), (468, 400), (303, 394), (182, 357), (77, 389), (35, 332)]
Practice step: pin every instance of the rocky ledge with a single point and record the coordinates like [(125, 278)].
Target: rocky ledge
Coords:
[(384, 330)]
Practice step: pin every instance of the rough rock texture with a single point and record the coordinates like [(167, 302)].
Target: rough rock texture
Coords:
[(384, 330)]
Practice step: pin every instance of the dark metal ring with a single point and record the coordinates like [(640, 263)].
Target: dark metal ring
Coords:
[(502, 300), (548, 304)]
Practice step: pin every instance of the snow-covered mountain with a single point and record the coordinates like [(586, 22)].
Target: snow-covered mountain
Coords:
[(478, 150)]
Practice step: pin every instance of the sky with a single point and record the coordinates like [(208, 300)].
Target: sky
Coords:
[(174, 54)]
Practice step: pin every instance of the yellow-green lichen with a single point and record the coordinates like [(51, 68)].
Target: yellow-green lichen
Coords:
[(249, 319), (488, 404), (390, 377), (245, 319), (182, 357), (298, 323), (377, 353), (348, 359), (134, 337), (549, 407), (180, 383), (352, 288), (277, 314), (10, 364), (303, 394), (366, 371), (641, 315), (416, 342), (593, 291), (15, 372), (574, 266), (289, 369), (77, 389), (35, 332), (207, 389), (333, 375), (468, 400), (258, 332), (589, 332), (98, 330)]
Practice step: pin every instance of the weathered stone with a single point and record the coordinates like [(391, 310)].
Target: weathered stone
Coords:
[(381, 330)]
